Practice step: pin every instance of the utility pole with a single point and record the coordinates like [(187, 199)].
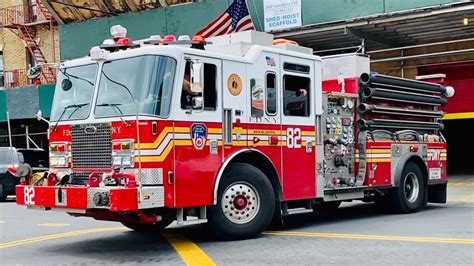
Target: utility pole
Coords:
[(27, 137), (9, 129)]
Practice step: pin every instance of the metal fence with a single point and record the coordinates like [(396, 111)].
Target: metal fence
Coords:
[(20, 14), (19, 78)]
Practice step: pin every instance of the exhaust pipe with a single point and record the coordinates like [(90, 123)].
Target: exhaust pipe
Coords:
[(408, 97), (374, 79), (367, 108), (388, 123)]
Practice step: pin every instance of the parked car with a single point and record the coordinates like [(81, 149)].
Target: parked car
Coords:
[(38, 159), (10, 158)]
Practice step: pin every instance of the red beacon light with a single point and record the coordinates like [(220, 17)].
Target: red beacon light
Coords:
[(169, 39), (198, 39), (124, 41), (198, 42)]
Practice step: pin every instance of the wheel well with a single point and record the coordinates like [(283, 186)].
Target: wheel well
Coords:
[(421, 164), (261, 162)]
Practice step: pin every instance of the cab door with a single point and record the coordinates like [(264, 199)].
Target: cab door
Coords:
[(298, 128), (197, 137)]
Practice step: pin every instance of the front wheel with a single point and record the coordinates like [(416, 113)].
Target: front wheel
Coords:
[(410, 195), (245, 203)]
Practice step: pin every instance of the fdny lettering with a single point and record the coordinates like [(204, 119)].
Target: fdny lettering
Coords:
[(263, 120), (199, 136), (66, 133), (117, 130), (434, 155)]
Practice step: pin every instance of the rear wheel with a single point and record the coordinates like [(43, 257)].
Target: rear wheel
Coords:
[(245, 203), (410, 195)]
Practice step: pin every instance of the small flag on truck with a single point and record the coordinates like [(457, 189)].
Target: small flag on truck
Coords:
[(235, 18)]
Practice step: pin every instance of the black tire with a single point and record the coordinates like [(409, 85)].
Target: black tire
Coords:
[(138, 227), (250, 206), (3, 194), (410, 195)]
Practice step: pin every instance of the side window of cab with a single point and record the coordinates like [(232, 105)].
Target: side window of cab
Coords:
[(209, 94)]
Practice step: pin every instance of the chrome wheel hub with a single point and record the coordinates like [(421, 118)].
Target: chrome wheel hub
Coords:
[(412, 187), (240, 203)]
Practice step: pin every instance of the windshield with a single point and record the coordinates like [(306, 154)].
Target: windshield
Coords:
[(6, 156), (74, 87), (150, 80)]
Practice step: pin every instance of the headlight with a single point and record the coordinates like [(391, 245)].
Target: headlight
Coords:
[(127, 161), (123, 153), (123, 161), (60, 153), (58, 161)]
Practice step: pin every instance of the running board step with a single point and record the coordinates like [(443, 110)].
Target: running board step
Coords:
[(181, 219)]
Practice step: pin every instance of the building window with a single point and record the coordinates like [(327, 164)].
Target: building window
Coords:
[(209, 95), (296, 95)]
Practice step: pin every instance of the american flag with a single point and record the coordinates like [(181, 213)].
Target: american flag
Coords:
[(235, 18)]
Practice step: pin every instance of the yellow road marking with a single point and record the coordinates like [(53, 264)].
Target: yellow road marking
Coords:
[(461, 184), (61, 235), (189, 251), (468, 198), (373, 237), (53, 224)]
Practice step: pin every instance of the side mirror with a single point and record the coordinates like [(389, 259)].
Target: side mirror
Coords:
[(197, 76), (198, 102), (39, 116), (34, 72), (66, 84)]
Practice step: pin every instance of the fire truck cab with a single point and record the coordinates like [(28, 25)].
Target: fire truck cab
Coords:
[(234, 131)]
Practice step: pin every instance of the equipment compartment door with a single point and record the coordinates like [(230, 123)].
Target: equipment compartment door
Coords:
[(234, 115), (298, 130)]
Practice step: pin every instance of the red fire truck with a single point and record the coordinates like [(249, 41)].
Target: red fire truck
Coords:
[(236, 131)]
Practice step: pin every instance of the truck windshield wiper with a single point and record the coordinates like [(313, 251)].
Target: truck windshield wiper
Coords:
[(117, 110), (63, 71), (77, 106)]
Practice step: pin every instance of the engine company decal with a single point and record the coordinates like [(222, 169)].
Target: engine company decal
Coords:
[(199, 136), (234, 84)]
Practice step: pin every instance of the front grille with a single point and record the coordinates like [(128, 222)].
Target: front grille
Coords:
[(91, 150)]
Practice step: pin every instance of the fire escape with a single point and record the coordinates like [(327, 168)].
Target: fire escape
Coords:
[(23, 20)]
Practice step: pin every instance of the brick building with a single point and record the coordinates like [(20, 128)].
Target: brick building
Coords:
[(28, 36)]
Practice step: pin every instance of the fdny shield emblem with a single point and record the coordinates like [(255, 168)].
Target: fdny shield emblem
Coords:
[(199, 136)]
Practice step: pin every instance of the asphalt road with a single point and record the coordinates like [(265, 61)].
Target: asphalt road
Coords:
[(357, 233)]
